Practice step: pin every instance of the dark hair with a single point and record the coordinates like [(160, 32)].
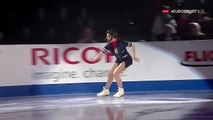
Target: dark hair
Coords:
[(112, 32)]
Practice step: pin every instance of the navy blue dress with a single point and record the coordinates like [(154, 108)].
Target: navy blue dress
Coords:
[(123, 54)]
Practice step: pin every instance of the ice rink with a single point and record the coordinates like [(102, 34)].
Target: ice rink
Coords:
[(196, 105)]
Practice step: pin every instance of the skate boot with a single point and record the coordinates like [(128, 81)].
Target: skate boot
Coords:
[(104, 92), (120, 93)]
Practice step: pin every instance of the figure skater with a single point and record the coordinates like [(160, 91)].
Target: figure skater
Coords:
[(123, 60)]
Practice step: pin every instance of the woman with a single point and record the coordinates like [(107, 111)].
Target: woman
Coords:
[(123, 60)]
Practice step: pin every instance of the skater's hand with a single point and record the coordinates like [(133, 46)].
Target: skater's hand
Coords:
[(95, 58), (98, 56), (135, 58)]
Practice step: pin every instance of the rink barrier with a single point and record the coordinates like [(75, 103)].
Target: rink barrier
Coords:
[(29, 70), (93, 88)]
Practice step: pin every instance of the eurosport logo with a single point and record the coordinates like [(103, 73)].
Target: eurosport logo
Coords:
[(187, 11)]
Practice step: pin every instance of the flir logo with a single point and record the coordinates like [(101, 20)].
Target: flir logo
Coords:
[(198, 58)]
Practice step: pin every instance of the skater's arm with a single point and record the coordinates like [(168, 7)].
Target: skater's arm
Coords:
[(102, 52), (99, 55), (135, 58)]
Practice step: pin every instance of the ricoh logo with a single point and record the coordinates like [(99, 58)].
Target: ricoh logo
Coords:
[(198, 58), (56, 56)]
